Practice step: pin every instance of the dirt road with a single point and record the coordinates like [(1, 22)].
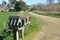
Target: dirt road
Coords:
[(50, 29)]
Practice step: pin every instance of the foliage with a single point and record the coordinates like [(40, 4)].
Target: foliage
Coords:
[(4, 2), (17, 6), (14, 1), (50, 1), (54, 7), (20, 5)]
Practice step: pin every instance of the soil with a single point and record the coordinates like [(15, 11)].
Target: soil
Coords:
[(50, 28)]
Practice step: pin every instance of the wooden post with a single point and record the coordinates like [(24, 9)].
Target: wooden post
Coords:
[(15, 34), (23, 33)]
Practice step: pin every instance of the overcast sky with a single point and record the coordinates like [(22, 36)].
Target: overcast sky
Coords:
[(30, 2)]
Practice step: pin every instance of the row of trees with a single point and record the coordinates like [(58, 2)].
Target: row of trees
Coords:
[(19, 5), (53, 6), (15, 5), (3, 6), (52, 1), (50, 6)]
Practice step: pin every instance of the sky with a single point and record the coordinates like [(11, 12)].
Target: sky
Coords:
[(30, 2)]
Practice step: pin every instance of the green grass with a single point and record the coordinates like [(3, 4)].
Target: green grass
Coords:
[(4, 18), (57, 15), (34, 26)]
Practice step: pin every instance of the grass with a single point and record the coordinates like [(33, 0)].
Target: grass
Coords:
[(4, 18), (57, 15), (34, 26)]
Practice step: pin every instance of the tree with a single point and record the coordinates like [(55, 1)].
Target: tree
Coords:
[(58, 1), (23, 5), (58, 8), (4, 4), (20, 5), (12, 1), (50, 5), (17, 6), (50, 1)]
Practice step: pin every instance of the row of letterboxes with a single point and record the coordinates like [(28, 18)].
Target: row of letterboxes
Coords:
[(16, 22)]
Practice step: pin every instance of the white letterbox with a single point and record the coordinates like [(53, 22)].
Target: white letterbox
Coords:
[(14, 22)]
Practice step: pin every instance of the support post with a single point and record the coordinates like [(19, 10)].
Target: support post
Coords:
[(15, 35), (23, 33)]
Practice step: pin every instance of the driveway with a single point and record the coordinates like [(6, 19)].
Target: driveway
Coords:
[(50, 28)]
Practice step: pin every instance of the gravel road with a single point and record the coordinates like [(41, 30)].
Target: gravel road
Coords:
[(50, 28)]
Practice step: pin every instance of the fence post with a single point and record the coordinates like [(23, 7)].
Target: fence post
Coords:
[(15, 34), (23, 33)]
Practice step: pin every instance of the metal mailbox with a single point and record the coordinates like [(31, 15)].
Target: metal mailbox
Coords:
[(27, 18), (14, 22), (24, 21)]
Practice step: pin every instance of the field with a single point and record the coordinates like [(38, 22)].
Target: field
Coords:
[(4, 18), (32, 27)]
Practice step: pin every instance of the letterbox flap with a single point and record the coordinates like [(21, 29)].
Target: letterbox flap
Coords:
[(14, 20)]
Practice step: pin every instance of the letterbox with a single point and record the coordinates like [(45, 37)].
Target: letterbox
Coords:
[(26, 18), (24, 21), (14, 22)]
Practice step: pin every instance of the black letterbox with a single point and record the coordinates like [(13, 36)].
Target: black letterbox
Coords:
[(14, 22)]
